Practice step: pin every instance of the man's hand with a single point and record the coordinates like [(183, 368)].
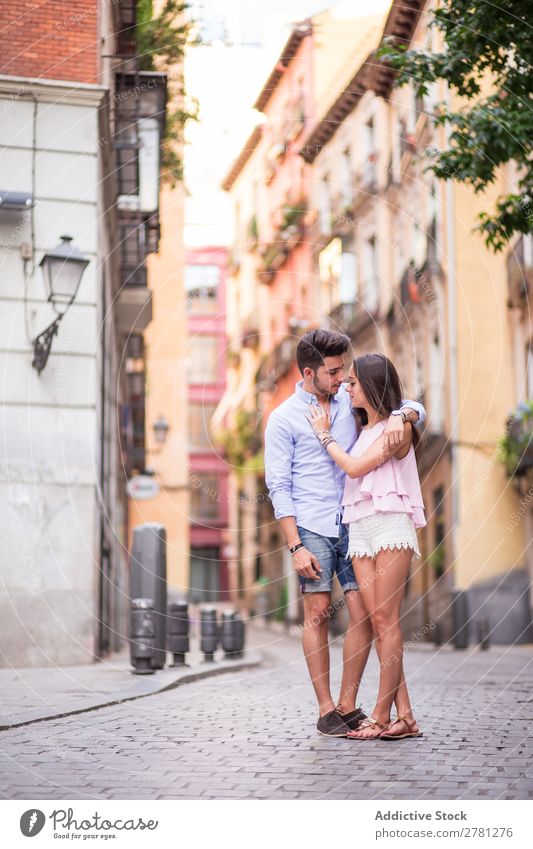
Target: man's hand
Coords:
[(306, 565), (394, 431)]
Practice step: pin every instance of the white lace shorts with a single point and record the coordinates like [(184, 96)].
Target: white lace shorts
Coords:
[(373, 533)]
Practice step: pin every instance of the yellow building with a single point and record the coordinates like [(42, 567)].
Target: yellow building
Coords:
[(165, 344)]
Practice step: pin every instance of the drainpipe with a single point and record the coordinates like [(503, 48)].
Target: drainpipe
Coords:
[(452, 346)]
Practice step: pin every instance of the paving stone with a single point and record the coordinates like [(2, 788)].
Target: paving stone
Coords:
[(252, 735)]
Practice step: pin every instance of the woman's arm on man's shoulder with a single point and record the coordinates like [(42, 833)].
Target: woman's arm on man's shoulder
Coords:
[(375, 455)]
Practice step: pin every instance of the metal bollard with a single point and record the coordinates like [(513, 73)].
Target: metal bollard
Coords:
[(178, 632), (228, 632), (148, 579), (483, 633), (239, 636), (460, 618), (142, 639), (208, 633)]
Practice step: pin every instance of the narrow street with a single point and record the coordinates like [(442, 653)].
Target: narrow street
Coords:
[(252, 735)]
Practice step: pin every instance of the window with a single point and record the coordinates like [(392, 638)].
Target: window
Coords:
[(348, 278), (529, 371), (199, 418), (370, 271), (325, 205), (205, 496), (201, 285), (436, 377), (346, 178), (369, 140), (202, 365)]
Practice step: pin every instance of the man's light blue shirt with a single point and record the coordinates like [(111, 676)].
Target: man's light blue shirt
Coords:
[(302, 479)]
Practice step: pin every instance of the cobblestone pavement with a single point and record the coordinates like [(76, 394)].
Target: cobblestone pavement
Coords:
[(251, 734)]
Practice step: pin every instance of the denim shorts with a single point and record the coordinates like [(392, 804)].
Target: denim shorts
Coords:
[(331, 554)]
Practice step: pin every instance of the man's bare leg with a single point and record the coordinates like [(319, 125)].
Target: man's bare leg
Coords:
[(316, 646), (356, 648)]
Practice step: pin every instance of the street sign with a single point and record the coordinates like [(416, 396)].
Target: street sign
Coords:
[(142, 487)]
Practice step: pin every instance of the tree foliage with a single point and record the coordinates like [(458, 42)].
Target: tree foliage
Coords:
[(487, 59), (161, 44)]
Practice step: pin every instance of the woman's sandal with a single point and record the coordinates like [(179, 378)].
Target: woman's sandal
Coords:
[(366, 723), (410, 725)]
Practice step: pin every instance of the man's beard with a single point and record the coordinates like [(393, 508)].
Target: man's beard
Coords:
[(320, 390)]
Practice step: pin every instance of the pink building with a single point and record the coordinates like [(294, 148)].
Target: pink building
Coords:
[(286, 99), (205, 286)]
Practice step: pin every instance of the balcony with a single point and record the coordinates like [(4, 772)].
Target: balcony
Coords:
[(140, 99), (520, 273), (342, 214), (252, 232), (407, 143), (351, 318), (289, 223), (250, 336), (515, 449), (365, 185), (140, 103), (410, 289), (276, 363)]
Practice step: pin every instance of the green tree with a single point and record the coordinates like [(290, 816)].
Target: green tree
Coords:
[(161, 44), (483, 43)]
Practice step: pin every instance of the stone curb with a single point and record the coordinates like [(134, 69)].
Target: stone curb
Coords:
[(185, 676)]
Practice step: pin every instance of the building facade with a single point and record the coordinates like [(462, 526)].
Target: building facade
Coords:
[(392, 259), (76, 114), (205, 375), (274, 289)]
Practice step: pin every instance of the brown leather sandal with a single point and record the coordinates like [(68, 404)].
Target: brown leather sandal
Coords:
[(366, 723), (410, 724)]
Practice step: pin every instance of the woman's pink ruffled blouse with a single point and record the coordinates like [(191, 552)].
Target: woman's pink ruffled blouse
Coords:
[(393, 487)]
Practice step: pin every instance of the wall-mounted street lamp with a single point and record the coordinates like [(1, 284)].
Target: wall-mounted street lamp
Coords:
[(63, 269), (160, 428)]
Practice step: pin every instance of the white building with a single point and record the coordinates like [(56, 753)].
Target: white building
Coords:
[(63, 569)]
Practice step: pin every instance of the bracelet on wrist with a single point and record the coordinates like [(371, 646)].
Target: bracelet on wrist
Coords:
[(400, 413), (296, 547)]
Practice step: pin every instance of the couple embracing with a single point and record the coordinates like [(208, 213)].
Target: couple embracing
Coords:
[(341, 472)]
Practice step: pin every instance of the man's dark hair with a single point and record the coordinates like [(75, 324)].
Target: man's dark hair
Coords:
[(317, 344)]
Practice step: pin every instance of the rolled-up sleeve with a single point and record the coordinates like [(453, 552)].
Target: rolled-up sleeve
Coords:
[(279, 450), (418, 408)]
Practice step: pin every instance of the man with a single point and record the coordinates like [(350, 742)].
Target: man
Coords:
[(306, 489)]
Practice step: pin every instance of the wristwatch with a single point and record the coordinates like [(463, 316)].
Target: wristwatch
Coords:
[(400, 413)]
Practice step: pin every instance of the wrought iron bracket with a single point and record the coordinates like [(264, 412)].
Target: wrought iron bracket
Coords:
[(43, 343)]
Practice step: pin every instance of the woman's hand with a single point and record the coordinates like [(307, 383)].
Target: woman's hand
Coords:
[(318, 418)]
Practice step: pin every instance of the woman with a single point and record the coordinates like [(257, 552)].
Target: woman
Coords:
[(382, 506)]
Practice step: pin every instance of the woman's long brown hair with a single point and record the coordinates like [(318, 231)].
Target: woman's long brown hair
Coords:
[(382, 387)]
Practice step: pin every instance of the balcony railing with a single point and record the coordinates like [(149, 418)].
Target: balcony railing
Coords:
[(289, 221), (520, 272), (365, 184), (276, 363), (351, 318), (140, 99)]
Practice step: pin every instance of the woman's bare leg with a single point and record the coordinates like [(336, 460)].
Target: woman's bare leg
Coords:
[(391, 568)]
